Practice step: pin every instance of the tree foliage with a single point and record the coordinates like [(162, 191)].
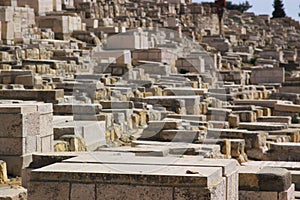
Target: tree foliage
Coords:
[(242, 7), (278, 9)]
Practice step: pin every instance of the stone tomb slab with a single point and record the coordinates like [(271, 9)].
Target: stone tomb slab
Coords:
[(229, 167), (126, 181)]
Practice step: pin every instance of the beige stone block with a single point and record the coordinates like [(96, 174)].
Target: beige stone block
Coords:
[(3, 172), (61, 146), (233, 121), (4, 56), (287, 108), (75, 143)]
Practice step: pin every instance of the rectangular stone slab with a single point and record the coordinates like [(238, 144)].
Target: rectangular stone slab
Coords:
[(228, 165), (287, 107), (262, 126), (263, 103), (70, 109), (143, 151), (48, 96), (129, 174), (282, 164)]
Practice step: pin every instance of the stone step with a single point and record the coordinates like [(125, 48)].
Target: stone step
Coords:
[(262, 103), (275, 119), (287, 108), (262, 126)]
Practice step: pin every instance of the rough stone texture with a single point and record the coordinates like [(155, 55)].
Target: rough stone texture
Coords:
[(50, 190), (132, 192), (13, 193), (83, 191), (3, 172)]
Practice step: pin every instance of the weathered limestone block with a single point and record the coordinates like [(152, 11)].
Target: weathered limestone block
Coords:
[(191, 103), (61, 146), (246, 116), (218, 124), (156, 91), (48, 96), (143, 116), (287, 108), (75, 143), (225, 145), (13, 192), (261, 183), (237, 147), (184, 91), (293, 167), (92, 132), (293, 134), (262, 103), (210, 183), (116, 104), (3, 172), (275, 119), (262, 126), (233, 121), (181, 135), (267, 75), (218, 114), (156, 127), (294, 97), (79, 109), (255, 141), (229, 167), (287, 151)]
